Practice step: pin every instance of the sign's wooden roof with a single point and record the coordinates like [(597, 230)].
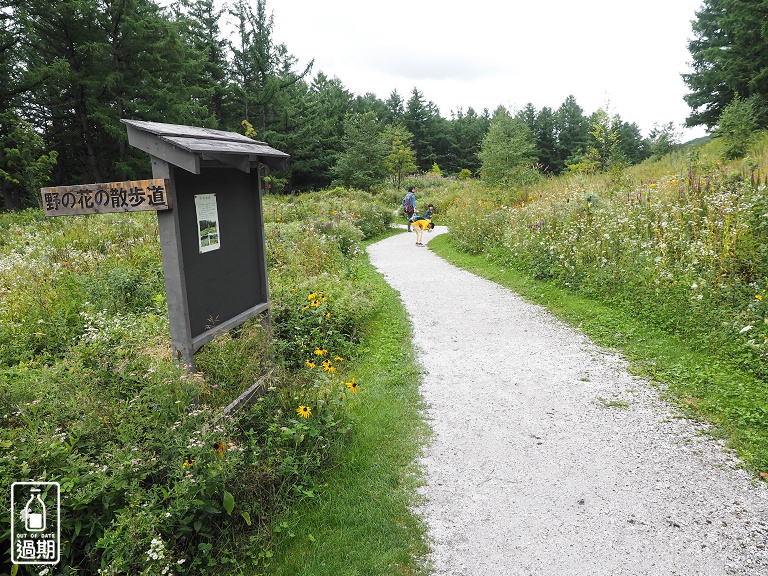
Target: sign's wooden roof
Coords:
[(188, 146)]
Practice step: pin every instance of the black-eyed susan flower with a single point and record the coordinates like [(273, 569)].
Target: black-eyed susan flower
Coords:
[(304, 411), (312, 296), (320, 352), (758, 296), (352, 386), (338, 359), (328, 367), (219, 448), (188, 463), (309, 364)]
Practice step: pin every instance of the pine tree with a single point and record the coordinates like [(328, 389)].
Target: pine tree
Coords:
[(262, 69), (362, 163), (730, 56), (572, 134)]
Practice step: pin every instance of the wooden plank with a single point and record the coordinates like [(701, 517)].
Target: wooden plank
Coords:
[(130, 196), (201, 339), (249, 396), (153, 146), (173, 271), (162, 129)]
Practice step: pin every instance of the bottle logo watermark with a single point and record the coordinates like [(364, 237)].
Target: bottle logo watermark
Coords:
[(35, 522)]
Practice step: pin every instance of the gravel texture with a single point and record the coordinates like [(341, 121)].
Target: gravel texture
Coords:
[(548, 457)]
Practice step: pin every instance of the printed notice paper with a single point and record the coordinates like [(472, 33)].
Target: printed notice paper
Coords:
[(207, 222)]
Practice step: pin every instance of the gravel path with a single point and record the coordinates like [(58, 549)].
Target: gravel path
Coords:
[(548, 457)]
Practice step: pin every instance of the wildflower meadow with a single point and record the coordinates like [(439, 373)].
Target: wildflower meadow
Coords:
[(679, 244), (156, 477)]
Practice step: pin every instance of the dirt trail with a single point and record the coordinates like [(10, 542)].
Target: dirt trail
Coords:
[(548, 457)]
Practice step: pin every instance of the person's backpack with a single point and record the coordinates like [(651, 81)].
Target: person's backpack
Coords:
[(407, 203)]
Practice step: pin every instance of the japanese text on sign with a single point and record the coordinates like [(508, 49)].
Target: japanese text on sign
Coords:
[(133, 196)]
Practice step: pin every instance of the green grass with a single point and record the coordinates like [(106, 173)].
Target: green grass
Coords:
[(360, 521), (704, 386)]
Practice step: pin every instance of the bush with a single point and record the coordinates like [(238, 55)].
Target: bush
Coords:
[(335, 205)]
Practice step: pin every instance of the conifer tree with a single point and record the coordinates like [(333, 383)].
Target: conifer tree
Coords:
[(730, 57)]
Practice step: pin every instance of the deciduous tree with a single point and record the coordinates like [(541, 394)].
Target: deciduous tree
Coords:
[(508, 151), (401, 160)]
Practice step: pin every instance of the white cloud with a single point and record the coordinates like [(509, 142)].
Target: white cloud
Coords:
[(482, 53)]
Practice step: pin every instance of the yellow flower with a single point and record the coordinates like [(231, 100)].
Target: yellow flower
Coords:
[(309, 364), (328, 367), (188, 463), (758, 296), (219, 447), (304, 411), (320, 352), (312, 296), (327, 314), (352, 386), (315, 303), (338, 359), (305, 307)]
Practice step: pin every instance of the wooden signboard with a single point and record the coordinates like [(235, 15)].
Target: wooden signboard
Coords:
[(132, 196)]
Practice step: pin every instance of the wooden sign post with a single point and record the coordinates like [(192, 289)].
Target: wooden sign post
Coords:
[(206, 190), (132, 196)]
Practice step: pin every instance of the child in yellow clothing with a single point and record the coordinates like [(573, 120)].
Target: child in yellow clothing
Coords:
[(420, 224)]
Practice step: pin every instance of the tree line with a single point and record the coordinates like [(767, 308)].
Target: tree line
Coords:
[(77, 67)]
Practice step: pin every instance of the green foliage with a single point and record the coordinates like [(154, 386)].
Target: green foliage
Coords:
[(604, 149), (262, 69), (331, 207), (362, 163), (664, 139), (24, 165), (423, 120), (400, 161), (736, 127), (508, 152), (74, 74), (154, 476), (730, 57), (362, 520)]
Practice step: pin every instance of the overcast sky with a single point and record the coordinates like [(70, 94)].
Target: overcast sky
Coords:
[(626, 56)]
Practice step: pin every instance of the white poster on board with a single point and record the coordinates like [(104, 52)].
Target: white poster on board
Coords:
[(207, 222)]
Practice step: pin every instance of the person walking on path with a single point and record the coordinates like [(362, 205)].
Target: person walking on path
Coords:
[(409, 205), (547, 457)]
